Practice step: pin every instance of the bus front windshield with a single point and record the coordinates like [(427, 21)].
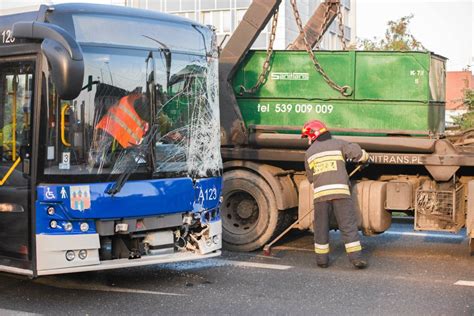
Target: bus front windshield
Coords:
[(140, 111)]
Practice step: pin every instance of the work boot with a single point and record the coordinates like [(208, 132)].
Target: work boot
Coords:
[(323, 265), (359, 264), (323, 262)]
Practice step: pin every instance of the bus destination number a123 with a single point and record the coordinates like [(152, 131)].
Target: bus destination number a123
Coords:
[(295, 108), (209, 194)]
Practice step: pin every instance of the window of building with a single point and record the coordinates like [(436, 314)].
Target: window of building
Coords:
[(221, 20), (172, 5), (206, 17), (332, 27), (347, 33), (208, 4), (187, 5), (242, 3), (155, 5), (216, 20), (223, 4), (261, 41), (239, 15), (226, 21)]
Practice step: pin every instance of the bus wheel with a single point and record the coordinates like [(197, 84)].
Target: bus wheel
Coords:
[(249, 214)]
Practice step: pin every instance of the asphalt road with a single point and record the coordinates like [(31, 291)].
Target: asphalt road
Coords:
[(409, 274)]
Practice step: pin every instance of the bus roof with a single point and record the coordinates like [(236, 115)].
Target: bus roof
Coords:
[(83, 20), (7, 21)]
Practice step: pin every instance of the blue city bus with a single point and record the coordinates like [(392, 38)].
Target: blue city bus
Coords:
[(109, 140)]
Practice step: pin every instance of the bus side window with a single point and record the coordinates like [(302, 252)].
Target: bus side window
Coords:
[(16, 92)]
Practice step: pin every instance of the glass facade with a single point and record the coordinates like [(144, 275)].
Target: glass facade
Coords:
[(225, 16)]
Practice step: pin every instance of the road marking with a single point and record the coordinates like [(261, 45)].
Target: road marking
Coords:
[(424, 235), (71, 285), (267, 257), (465, 283), (11, 312), (255, 265)]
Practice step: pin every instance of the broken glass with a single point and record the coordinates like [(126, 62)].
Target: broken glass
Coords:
[(145, 111)]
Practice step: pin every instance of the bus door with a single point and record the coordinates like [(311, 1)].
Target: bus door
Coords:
[(16, 103)]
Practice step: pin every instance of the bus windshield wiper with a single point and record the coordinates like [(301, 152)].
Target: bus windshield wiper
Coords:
[(141, 155), (123, 178)]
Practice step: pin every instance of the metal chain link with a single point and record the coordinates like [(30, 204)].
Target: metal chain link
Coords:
[(341, 27), (344, 90), (266, 65)]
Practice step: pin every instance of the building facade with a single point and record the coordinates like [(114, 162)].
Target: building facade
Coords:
[(457, 82), (225, 15)]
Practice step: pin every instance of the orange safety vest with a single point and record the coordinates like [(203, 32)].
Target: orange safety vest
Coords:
[(123, 123)]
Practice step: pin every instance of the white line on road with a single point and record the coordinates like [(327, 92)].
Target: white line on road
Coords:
[(465, 283), (71, 285), (10, 312), (255, 265), (416, 234), (267, 257)]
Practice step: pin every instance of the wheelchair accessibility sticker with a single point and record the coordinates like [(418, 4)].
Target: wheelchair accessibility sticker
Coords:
[(80, 197), (49, 194)]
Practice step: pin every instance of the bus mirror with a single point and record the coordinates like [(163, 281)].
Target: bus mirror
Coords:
[(63, 53)]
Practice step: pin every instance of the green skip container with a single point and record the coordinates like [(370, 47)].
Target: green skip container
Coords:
[(393, 93)]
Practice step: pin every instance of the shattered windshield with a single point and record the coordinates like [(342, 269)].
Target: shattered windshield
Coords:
[(142, 111)]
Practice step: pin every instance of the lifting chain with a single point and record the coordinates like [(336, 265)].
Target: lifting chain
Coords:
[(341, 27), (266, 65), (344, 90)]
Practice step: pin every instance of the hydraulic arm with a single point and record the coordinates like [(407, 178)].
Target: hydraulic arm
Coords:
[(317, 25), (254, 20)]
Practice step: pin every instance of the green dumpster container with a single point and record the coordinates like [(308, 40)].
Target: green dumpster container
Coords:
[(393, 92)]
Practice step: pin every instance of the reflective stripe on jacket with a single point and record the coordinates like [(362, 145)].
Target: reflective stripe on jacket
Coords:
[(325, 163), (123, 123)]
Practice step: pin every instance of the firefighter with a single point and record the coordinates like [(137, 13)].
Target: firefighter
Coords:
[(325, 168)]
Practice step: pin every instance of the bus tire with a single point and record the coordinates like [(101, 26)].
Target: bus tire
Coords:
[(250, 217)]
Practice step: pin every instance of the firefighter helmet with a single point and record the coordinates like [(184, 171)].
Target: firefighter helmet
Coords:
[(313, 129)]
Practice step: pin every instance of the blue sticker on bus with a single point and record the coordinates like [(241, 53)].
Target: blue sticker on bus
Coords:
[(49, 193)]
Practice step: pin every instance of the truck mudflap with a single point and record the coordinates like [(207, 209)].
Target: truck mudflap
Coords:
[(470, 216)]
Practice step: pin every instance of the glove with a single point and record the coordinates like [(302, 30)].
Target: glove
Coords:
[(364, 158)]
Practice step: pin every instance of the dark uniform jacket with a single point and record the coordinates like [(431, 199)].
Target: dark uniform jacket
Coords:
[(325, 164)]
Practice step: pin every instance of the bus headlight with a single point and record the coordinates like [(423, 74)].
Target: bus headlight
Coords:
[(53, 224), (70, 255), (84, 227), (67, 226), (82, 254), (50, 210)]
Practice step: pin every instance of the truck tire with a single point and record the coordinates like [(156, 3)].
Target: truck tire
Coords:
[(250, 217)]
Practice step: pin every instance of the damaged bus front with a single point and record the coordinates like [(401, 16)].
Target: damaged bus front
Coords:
[(114, 140)]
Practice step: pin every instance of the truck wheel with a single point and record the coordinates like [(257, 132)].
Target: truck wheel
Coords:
[(250, 217)]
